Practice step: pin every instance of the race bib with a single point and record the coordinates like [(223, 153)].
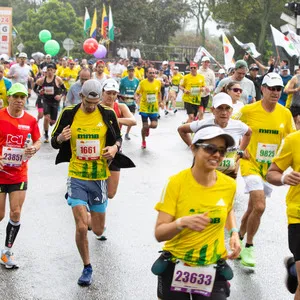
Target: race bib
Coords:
[(175, 88), (195, 91), (228, 163), (49, 90), (265, 152), (88, 149), (151, 98), (195, 280), (72, 81), (12, 157)]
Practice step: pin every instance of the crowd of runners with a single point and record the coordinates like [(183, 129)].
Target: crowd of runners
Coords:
[(252, 129)]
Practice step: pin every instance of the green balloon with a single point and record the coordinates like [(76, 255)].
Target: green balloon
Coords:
[(52, 47), (44, 35)]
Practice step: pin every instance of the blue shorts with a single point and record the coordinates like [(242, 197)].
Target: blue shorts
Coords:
[(152, 117), (91, 193)]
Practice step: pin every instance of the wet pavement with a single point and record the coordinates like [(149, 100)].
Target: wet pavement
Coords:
[(46, 251)]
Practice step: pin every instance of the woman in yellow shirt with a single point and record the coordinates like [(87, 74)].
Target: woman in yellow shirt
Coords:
[(195, 206)]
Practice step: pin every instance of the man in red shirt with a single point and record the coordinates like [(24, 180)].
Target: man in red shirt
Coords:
[(17, 130)]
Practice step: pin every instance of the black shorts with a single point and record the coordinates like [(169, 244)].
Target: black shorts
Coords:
[(132, 108), (191, 109), (162, 91), (204, 101), (294, 240), (295, 110), (9, 188), (220, 290), (112, 167), (39, 102), (51, 108)]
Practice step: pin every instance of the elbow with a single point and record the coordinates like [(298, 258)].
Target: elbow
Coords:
[(158, 237)]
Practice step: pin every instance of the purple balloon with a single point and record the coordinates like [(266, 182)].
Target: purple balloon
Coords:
[(100, 52)]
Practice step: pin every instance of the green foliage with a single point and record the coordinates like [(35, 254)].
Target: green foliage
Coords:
[(57, 17)]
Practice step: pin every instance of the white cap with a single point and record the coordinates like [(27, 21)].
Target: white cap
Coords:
[(91, 89), (205, 58), (32, 60), (44, 69), (110, 85), (222, 98), (211, 131), (272, 79), (176, 68), (22, 55), (221, 71), (165, 62), (48, 56)]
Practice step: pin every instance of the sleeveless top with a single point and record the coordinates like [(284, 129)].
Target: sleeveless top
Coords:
[(296, 96), (50, 90), (117, 111)]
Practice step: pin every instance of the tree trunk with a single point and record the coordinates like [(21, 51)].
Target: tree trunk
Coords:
[(264, 22)]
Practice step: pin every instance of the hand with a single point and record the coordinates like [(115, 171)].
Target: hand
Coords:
[(235, 246), (30, 151), (65, 134), (196, 222), (292, 178), (186, 92), (109, 152), (57, 97)]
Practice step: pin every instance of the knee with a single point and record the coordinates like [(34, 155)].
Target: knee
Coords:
[(2, 215), (111, 194), (15, 215), (259, 208), (99, 231), (81, 229), (153, 125)]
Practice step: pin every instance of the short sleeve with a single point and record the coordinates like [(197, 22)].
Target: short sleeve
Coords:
[(284, 156)]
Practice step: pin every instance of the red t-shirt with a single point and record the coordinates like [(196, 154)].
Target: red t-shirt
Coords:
[(13, 134)]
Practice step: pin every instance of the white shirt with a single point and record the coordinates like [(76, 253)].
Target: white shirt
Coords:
[(210, 79), (237, 106), (123, 53), (135, 53), (235, 128), (21, 73), (104, 76)]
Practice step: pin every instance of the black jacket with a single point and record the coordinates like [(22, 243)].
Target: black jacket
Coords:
[(66, 118)]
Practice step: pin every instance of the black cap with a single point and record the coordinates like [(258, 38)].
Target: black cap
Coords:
[(51, 66), (130, 67)]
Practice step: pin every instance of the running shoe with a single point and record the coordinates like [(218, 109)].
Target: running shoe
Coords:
[(166, 112), (147, 132), (46, 138), (158, 117), (7, 259), (143, 144), (175, 110), (247, 257), (127, 137), (242, 248), (102, 237), (86, 277), (291, 281)]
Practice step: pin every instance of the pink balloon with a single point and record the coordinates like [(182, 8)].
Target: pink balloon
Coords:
[(90, 46), (101, 52)]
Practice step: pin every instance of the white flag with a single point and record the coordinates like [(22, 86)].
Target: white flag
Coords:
[(248, 47), (283, 41), (202, 52), (228, 52), (295, 39)]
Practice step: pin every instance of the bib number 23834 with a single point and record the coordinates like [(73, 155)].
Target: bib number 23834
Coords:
[(195, 280), (88, 149)]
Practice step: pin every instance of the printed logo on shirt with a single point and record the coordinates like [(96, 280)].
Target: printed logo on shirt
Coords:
[(99, 124), (281, 125), (23, 127), (14, 139), (221, 202), (97, 199)]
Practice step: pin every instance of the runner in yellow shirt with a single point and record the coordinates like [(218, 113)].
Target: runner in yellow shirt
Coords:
[(174, 89), (270, 123), (139, 72), (192, 85), (289, 156), (148, 95)]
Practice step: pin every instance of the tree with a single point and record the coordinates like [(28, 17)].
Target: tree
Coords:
[(57, 17)]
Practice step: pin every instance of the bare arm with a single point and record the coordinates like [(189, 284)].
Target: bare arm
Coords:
[(246, 139), (185, 133), (275, 176), (234, 239), (290, 87), (127, 118)]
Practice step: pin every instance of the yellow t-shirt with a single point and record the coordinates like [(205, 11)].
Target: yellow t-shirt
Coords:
[(149, 91), (268, 131), (193, 84), (3, 93), (184, 196), (87, 142), (139, 73), (289, 156), (68, 73), (34, 69), (5, 72), (289, 100), (106, 71), (124, 74), (176, 79), (60, 70)]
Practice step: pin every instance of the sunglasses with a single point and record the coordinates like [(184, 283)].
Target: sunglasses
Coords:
[(274, 88), (237, 90), (212, 149), (193, 67)]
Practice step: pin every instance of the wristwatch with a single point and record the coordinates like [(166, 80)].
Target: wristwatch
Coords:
[(240, 153)]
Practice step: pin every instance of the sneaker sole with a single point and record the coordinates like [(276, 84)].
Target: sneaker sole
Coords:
[(7, 266), (247, 264), (84, 283)]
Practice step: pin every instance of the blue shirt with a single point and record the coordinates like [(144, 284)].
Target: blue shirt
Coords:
[(73, 94), (283, 97), (128, 88)]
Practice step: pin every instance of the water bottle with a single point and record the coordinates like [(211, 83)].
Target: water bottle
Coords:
[(224, 269), (249, 99), (26, 144)]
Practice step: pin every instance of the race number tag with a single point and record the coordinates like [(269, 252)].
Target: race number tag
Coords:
[(228, 163), (195, 280), (88, 149), (12, 157), (175, 88), (151, 98), (72, 81), (265, 152), (49, 90), (195, 91)]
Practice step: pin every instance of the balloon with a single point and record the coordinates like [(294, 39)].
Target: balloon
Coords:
[(90, 46), (101, 52), (44, 35), (52, 47), (37, 55)]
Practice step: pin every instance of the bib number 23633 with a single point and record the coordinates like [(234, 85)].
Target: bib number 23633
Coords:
[(88, 149), (195, 280)]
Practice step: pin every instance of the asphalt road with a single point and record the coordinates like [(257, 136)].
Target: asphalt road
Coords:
[(46, 251)]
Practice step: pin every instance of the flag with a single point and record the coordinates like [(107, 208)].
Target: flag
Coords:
[(202, 52), (104, 23), (295, 39), (228, 52), (111, 34), (93, 31), (283, 41), (248, 47), (87, 22)]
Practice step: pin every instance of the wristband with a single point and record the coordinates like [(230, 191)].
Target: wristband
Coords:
[(234, 229), (35, 150), (178, 224), (240, 153), (282, 179)]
